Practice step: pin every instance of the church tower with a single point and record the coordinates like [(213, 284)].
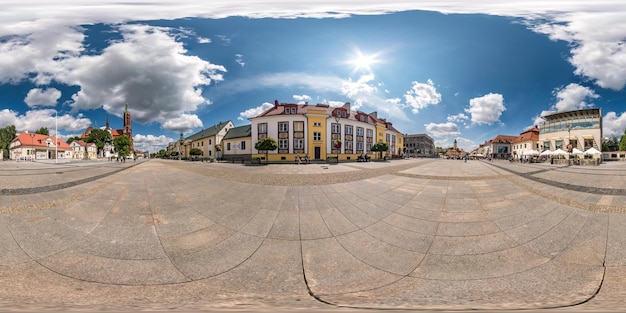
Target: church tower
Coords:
[(128, 128)]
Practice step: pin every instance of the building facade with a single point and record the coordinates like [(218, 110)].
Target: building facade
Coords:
[(237, 144), (83, 150), (29, 146), (581, 129), (527, 141), (320, 131), (419, 145), (500, 147), (207, 140)]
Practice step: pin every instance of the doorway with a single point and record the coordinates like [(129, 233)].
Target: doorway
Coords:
[(318, 153)]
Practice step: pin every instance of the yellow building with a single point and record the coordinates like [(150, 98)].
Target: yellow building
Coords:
[(321, 132)]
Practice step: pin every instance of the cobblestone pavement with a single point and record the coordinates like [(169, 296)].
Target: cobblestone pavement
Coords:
[(418, 234)]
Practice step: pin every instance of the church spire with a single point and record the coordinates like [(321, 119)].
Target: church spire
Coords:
[(107, 122), (126, 106)]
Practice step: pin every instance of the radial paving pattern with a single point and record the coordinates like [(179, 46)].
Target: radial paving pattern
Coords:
[(439, 234)]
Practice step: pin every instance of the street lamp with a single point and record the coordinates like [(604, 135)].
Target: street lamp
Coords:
[(338, 145), (569, 144)]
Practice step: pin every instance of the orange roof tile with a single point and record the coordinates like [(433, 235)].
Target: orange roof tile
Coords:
[(39, 140)]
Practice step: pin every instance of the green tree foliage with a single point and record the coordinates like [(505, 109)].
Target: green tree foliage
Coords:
[(122, 146), (267, 144), (380, 147), (195, 151), (100, 137), (72, 139), (622, 142), (43, 131), (612, 144), (7, 135)]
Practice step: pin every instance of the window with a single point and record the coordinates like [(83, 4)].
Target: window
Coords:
[(243, 145), (359, 145), (370, 133), (317, 124), (209, 141), (283, 144), (228, 146), (262, 129), (317, 136), (283, 127), (335, 128), (298, 144), (293, 110), (298, 126), (348, 130), (359, 131), (349, 145)]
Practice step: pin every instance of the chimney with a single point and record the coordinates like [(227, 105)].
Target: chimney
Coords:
[(275, 103), (374, 115)]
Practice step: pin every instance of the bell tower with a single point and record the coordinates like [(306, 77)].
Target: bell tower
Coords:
[(128, 128)]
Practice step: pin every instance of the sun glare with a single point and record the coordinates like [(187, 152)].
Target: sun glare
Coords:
[(363, 62)]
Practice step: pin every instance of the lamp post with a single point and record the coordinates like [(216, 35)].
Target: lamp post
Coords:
[(56, 137), (569, 144), (338, 146)]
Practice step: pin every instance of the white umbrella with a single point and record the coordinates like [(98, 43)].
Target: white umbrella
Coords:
[(559, 152), (546, 153), (531, 152), (575, 151), (592, 151)]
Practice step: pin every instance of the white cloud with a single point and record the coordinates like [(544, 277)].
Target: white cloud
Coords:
[(239, 59), (421, 96), (448, 129), (203, 40), (613, 125), (35, 119), (249, 113), (302, 98), (359, 90), (148, 69), (151, 143), (573, 97), (486, 109), (183, 123), (457, 118), (594, 29), (42, 97)]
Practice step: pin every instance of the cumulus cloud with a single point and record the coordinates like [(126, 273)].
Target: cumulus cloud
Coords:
[(573, 97), (302, 98), (486, 109), (613, 125), (183, 123), (203, 40), (359, 90), (249, 113), (448, 129), (42, 97), (151, 143), (148, 69), (35, 119), (421, 96), (457, 118)]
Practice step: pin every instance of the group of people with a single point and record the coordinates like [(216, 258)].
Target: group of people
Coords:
[(299, 159), (363, 158)]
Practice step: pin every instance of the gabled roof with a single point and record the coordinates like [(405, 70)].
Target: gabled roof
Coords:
[(39, 140), (208, 132), (531, 134), (503, 139), (239, 132)]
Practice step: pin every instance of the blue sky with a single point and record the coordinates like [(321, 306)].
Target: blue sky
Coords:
[(464, 70)]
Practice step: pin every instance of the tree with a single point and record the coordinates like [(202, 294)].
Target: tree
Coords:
[(72, 139), (7, 135), (195, 152), (43, 131), (380, 147), (100, 137), (122, 146), (267, 144), (622, 142), (612, 144)]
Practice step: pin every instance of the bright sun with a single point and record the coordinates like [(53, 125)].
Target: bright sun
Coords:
[(363, 62)]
